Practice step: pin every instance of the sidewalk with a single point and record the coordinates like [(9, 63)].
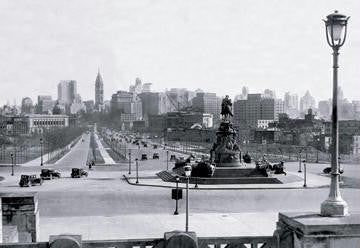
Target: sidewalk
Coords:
[(37, 161), (149, 178), (103, 152), (154, 225)]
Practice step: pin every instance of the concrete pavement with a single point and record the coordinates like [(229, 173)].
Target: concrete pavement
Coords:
[(313, 181), (107, 158), (154, 225)]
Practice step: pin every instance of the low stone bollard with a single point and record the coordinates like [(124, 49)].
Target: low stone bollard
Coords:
[(65, 241), (308, 229), (21, 210), (180, 239)]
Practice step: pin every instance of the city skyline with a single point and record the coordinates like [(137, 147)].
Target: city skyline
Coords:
[(183, 44)]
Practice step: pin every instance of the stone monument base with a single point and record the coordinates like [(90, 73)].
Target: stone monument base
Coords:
[(309, 229)]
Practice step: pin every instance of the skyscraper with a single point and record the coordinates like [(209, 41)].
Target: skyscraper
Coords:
[(208, 103), (99, 93), (27, 106), (256, 107), (291, 105), (307, 102), (269, 93), (67, 91), (45, 104)]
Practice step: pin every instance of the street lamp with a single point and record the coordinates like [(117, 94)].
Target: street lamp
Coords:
[(41, 151), (12, 163), (336, 29), (187, 170)]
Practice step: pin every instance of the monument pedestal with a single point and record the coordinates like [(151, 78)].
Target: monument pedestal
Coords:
[(311, 230)]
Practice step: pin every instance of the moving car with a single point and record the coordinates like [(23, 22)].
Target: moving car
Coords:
[(156, 155), (144, 157), (30, 180), (327, 170), (49, 174), (155, 146), (77, 173)]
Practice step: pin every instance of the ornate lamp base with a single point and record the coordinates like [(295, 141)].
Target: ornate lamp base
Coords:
[(334, 208)]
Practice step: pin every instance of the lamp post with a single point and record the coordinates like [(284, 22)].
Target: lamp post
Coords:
[(12, 163), (299, 162), (137, 170), (187, 170), (41, 151), (167, 160), (304, 162), (336, 29), (130, 162), (177, 179)]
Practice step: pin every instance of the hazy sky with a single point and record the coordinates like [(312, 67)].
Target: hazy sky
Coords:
[(216, 45)]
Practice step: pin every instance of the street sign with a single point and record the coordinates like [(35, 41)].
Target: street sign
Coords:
[(176, 194)]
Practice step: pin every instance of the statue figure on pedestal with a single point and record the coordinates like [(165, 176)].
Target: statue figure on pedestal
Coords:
[(226, 108)]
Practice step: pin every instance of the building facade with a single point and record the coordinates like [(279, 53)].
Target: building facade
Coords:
[(27, 106), (307, 102), (207, 103), (67, 90), (154, 103), (45, 105), (256, 107), (37, 123), (127, 103)]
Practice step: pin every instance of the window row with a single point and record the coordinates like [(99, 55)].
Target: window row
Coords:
[(49, 122)]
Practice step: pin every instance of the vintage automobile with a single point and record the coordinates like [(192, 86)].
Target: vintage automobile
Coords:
[(155, 146), (156, 155), (327, 170), (172, 157), (145, 145), (49, 174), (77, 173), (144, 157), (30, 180)]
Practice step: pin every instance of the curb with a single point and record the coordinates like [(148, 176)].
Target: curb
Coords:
[(225, 188)]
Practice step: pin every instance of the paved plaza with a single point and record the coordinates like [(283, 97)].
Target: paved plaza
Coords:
[(107, 206)]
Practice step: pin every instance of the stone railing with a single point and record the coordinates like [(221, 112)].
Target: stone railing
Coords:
[(203, 242)]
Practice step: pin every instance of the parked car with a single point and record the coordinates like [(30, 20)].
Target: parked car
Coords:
[(155, 146), (144, 157), (172, 157), (145, 145), (156, 155), (77, 173), (49, 174), (30, 180)]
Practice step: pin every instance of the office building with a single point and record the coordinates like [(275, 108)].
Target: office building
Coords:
[(307, 102), (207, 103), (67, 90)]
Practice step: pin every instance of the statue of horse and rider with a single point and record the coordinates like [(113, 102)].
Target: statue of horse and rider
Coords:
[(226, 107)]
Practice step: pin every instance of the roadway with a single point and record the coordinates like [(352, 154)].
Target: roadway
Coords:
[(105, 193)]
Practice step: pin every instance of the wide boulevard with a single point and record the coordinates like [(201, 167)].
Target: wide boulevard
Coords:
[(104, 194)]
